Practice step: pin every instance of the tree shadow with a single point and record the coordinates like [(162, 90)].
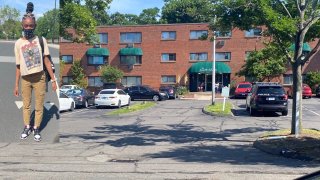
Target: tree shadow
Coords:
[(229, 149)]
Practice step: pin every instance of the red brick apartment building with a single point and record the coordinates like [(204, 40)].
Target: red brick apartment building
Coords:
[(163, 54)]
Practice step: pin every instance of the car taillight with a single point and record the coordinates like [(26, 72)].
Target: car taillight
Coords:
[(285, 97), (111, 97), (97, 97), (257, 98), (171, 91)]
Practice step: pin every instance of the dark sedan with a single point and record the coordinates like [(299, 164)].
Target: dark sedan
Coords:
[(318, 91), (170, 90), (82, 97), (145, 92)]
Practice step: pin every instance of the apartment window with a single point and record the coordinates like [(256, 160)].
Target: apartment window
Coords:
[(168, 57), (168, 79), (198, 34), (168, 35), (287, 79), (223, 33), (68, 59), (198, 56), (128, 60), (97, 60), (103, 38), (223, 56), (247, 55), (131, 80), (94, 81), (66, 79), (253, 32), (130, 37)]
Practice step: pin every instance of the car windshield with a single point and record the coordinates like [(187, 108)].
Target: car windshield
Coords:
[(74, 92), (270, 90), (244, 86), (107, 92)]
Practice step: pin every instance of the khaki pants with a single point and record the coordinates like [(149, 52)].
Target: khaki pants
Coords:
[(36, 82)]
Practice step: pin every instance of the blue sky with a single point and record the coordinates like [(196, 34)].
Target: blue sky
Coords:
[(122, 6), (133, 6), (40, 6)]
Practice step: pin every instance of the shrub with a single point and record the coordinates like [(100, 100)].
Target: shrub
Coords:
[(181, 90)]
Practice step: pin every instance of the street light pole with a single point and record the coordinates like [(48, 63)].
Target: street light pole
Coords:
[(214, 68)]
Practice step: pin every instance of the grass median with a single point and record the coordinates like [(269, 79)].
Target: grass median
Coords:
[(216, 109), (133, 108), (305, 147)]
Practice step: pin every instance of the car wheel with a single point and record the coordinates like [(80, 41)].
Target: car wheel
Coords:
[(119, 104), (284, 113), (98, 107), (85, 104), (156, 98), (252, 111), (72, 106)]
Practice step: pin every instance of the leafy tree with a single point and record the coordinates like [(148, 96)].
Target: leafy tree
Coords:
[(110, 74), (313, 79), (98, 9), (123, 19), (10, 26), (62, 65), (187, 11), (7, 13), (78, 18), (149, 16), (264, 64), (48, 25), (10, 29), (78, 76), (287, 22)]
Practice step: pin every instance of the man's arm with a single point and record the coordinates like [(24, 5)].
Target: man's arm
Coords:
[(47, 63), (16, 87)]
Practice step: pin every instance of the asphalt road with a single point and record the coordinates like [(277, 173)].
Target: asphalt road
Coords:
[(173, 140), (10, 113)]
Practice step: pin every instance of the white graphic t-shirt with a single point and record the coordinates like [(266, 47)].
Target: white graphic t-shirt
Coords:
[(29, 55)]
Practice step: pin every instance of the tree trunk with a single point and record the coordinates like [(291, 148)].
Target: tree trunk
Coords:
[(297, 99)]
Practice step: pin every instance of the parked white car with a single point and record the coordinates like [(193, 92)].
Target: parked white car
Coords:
[(65, 102), (65, 88), (112, 97)]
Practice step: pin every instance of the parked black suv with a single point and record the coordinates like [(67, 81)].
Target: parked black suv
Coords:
[(144, 92), (170, 90), (267, 97)]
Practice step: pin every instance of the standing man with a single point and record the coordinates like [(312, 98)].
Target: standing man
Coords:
[(30, 64)]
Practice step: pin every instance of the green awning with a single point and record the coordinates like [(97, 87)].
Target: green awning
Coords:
[(305, 47), (206, 68), (131, 51), (98, 52)]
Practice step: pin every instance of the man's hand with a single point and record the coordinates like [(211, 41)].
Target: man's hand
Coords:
[(16, 91), (54, 86)]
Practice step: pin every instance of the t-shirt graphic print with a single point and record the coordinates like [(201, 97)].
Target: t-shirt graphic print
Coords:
[(31, 55)]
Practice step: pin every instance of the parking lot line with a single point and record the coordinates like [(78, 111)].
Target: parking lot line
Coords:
[(311, 111)]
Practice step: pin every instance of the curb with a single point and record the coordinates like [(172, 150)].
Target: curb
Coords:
[(283, 152), (214, 114)]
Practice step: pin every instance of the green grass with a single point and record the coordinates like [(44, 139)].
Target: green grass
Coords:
[(133, 108), (217, 108), (286, 132)]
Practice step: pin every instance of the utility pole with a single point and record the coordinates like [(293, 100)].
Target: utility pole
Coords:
[(214, 68)]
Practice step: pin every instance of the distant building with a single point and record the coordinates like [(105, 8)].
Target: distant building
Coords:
[(166, 54)]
